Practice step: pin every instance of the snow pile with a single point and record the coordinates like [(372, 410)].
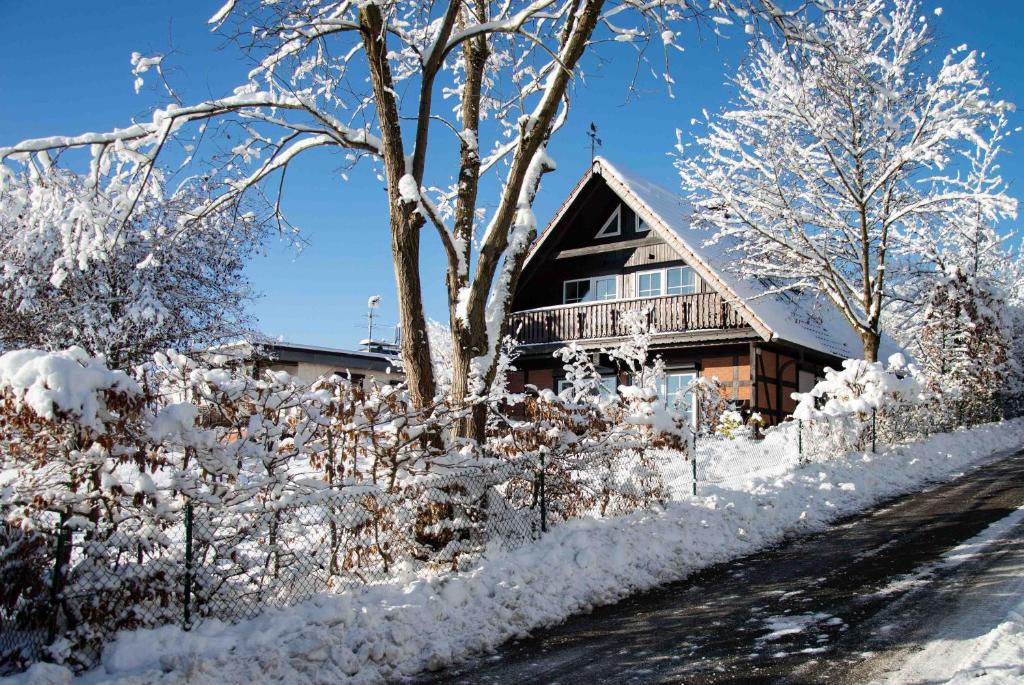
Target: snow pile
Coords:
[(386, 631), (68, 383)]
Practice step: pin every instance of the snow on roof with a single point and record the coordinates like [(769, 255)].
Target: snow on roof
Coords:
[(246, 347), (805, 319)]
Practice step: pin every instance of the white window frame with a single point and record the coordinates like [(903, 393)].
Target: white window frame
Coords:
[(661, 282), (593, 288), (664, 280), (663, 391), (641, 222), (615, 219)]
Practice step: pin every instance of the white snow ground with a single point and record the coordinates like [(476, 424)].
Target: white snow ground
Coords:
[(981, 639), (390, 631)]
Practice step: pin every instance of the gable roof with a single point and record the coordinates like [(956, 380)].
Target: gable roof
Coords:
[(806, 319)]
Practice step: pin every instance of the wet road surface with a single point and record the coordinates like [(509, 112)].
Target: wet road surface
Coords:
[(822, 608)]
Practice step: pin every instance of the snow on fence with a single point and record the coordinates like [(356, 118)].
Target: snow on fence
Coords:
[(232, 563), (227, 546)]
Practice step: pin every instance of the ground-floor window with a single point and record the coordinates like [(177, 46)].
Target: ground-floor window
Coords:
[(607, 387), (675, 390)]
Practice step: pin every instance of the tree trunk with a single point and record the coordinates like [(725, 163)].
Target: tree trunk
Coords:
[(475, 340), (871, 341), (414, 346), (405, 222)]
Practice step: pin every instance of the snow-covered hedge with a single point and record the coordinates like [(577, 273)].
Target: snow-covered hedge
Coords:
[(288, 489), (379, 633)]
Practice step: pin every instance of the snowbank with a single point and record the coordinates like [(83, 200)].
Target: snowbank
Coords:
[(389, 631), (980, 637)]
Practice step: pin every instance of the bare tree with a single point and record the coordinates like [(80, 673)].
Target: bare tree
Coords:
[(364, 78), (837, 151)]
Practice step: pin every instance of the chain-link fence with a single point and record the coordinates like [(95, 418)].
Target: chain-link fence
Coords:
[(67, 593), (233, 563)]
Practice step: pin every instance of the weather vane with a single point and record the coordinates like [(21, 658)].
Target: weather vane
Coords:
[(595, 142)]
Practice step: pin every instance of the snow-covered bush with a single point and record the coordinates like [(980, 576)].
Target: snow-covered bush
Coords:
[(844, 411), (281, 488), (711, 404), (730, 425), (599, 450)]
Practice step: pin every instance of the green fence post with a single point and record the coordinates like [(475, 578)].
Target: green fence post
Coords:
[(693, 465), (543, 499), (57, 579), (800, 439), (874, 431), (188, 566)]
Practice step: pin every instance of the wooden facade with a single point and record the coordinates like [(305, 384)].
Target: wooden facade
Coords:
[(700, 332)]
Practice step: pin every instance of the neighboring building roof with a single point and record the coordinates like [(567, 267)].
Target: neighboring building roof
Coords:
[(311, 354), (804, 319)]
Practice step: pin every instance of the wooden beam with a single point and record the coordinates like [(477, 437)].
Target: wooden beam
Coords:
[(609, 247)]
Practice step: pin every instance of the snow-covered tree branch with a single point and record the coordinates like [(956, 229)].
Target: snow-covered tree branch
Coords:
[(836, 151), (111, 270), (400, 83)]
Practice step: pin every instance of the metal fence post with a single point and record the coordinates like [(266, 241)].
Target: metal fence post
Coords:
[(188, 566), (693, 465), (543, 499), (800, 439), (57, 580)]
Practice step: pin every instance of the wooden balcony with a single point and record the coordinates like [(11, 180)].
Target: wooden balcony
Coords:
[(600, 320)]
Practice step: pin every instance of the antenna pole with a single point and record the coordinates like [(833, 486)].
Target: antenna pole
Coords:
[(369, 332)]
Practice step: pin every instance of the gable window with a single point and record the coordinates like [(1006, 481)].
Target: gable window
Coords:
[(613, 226), (590, 289), (676, 280), (641, 225)]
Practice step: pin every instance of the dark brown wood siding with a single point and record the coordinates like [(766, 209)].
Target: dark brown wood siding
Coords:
[(573, 251)]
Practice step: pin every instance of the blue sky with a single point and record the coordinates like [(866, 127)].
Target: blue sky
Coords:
[(70, 73)]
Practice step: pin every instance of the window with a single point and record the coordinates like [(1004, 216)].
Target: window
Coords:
[(606, 388), (675, 391), (677, 280), (613, 226), (648, 284), (590, 289), (641, 225), (680, 280)]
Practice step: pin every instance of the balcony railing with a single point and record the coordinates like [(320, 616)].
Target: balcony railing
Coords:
[(598, 320)]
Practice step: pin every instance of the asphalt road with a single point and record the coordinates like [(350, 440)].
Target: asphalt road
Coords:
[(832, 607)]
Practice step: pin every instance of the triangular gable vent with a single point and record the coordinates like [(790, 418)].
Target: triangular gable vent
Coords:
[(613, 226)]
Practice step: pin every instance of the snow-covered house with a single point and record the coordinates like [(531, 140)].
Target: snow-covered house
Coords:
[(308, 362), (621, 242)]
